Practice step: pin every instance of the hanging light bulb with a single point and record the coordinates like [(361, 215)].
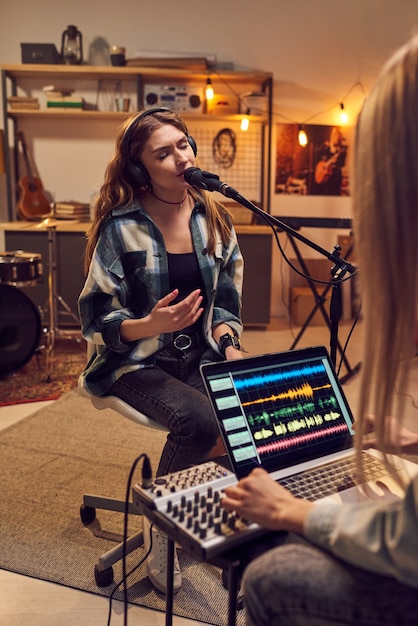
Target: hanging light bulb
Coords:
[(245, 122), (343, 114), (302, 136), (209, 90)]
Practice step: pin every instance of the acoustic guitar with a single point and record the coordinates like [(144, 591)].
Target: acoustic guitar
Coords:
[(33, 203)]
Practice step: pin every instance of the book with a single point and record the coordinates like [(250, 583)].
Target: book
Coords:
[(22, 102), (74, 106), (73, 102), (56, 90), (61, 98)]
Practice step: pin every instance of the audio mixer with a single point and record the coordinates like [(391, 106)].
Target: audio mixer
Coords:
[(187, 506)]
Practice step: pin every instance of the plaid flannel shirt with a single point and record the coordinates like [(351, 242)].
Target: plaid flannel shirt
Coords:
[(129, 274)]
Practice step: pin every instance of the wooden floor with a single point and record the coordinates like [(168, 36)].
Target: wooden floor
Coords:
[(29, 602)]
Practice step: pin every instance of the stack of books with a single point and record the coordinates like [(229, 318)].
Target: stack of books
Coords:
[(22, 103), (62, 98), (72, 211)]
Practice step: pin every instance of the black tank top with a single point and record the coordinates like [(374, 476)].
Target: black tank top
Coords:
[(184, 275)]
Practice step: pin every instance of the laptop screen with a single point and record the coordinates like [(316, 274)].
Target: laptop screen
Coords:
[(279, 409)]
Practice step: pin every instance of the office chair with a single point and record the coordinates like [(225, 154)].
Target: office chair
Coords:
[(103, 570)]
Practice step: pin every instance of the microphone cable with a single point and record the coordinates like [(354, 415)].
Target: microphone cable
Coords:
[(146, 483)]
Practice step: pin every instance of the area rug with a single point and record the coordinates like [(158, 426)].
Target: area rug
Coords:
[(36, 381), (47, 462)]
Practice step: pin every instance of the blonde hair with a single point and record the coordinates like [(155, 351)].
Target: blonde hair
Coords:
[(118, 189), (385, 203)]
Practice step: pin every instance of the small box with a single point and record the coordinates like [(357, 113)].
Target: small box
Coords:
[(302, 302), (45, 53), (222, 104)]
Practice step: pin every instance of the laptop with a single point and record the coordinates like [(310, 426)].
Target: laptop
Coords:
[(287, 413)]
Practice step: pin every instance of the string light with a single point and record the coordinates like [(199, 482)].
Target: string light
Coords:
[(209, 90), (245, 122), (302, 136), (343, 114)]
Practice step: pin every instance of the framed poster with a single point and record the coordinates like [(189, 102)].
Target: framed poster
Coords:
[(318, 168)]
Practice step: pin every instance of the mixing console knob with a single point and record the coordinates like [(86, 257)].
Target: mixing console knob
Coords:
[(231, 522), (202, 532)]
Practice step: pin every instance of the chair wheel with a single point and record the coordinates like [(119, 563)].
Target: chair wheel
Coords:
[(103, 578), (87, 514)]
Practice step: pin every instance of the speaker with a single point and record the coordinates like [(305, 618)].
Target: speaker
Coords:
[(136, 172)]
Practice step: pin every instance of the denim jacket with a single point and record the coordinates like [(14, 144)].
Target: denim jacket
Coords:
[(129, 274)]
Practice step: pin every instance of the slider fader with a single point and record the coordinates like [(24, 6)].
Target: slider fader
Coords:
[(187, 506)]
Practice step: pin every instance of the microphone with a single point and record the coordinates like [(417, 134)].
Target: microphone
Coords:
[(208, 181)]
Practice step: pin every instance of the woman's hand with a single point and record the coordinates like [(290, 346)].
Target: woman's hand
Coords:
[(258, 498), (171, 318), (164, 317)]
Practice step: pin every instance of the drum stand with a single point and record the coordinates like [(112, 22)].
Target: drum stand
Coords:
[(53, 331)]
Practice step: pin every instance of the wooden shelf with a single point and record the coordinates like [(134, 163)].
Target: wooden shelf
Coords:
[(153, 74), (112, 115), (31, 78)]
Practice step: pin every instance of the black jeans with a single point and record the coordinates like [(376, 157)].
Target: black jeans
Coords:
[(172, 393)]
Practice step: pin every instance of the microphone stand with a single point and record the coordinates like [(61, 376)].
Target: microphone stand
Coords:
[(338, 271)]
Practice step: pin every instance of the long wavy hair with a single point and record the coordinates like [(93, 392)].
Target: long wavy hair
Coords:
[(385, 203), (117, 189)]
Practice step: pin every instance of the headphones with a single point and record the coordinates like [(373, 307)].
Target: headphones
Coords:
[(136, 173)]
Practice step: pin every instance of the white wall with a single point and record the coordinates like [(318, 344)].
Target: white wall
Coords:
[(316, 50)]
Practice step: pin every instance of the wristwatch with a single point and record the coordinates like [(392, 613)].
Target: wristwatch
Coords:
[(228, 340)]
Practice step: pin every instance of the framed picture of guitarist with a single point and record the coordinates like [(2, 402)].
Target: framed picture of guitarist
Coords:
[(330, 177), (318, 168)]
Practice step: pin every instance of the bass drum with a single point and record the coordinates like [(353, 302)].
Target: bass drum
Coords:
[(20, 329)]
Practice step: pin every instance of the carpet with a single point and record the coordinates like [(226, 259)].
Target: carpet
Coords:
[(47, 462), (31, 383)]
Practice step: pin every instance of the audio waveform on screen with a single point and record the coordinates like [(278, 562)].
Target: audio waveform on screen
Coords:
[(305, 391), (304, 438), (293, 426), (278, 376), (267, 417), (289, 410)]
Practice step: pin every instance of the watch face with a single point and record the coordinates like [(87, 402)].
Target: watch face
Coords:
[(236, 343)]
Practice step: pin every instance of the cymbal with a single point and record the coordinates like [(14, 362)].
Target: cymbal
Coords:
[(48, 222)]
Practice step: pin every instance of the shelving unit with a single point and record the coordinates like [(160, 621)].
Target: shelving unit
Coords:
[(86, 125), (30, 78)]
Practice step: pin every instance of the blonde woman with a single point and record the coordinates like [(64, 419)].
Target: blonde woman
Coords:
[(359, 564)]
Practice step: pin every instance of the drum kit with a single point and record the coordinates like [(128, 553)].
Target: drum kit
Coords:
[(21, 325)]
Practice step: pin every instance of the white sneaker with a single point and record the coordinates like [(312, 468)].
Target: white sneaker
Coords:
[(157, 558)]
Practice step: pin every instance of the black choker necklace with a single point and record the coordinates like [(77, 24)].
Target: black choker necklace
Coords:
[(180, 203)]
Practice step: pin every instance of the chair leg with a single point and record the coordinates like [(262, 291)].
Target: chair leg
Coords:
[(115, 554), (107, 504), (103, 570)]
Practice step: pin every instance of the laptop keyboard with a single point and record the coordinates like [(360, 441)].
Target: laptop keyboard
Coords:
[(333, 477)]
